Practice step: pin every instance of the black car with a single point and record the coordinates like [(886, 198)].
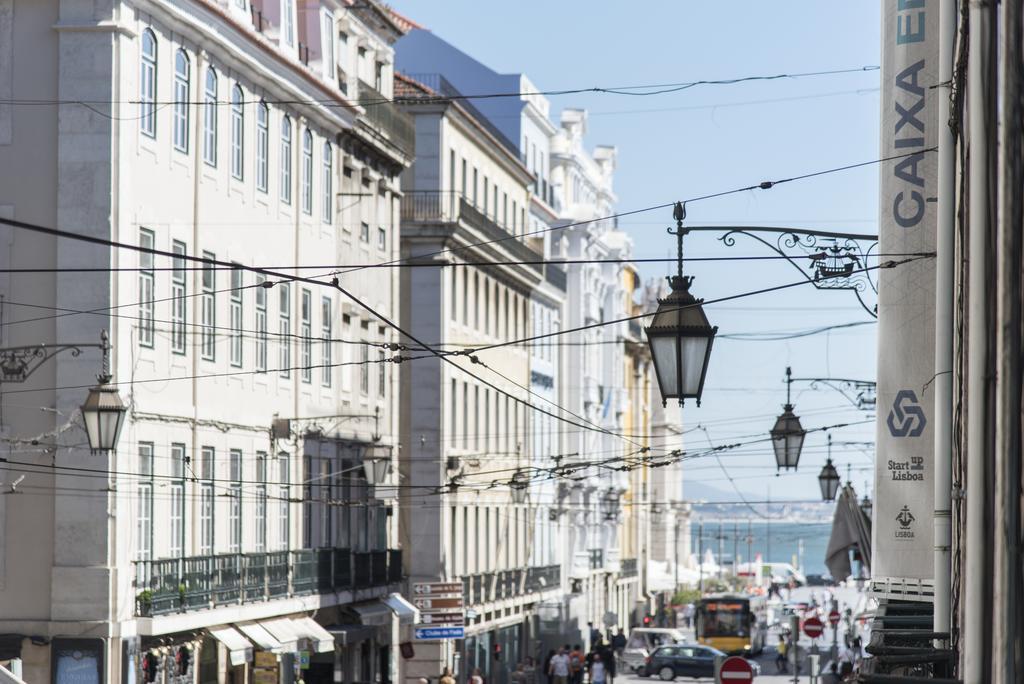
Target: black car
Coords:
[(682, 660)]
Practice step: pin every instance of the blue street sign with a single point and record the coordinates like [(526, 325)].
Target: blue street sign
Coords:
[(427, 633)]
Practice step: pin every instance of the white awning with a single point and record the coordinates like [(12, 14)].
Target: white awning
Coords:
[(373, 613), (261, 637), (320, 639), (239, 648), (407, 613), (282, 630)]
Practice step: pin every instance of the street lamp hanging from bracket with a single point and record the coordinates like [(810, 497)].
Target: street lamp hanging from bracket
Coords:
[(787, 434), (103, 411), (680, 335), (828, 479)]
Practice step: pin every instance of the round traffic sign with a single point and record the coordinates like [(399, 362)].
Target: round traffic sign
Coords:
[(813, 627), (833, 618), (736, 669)]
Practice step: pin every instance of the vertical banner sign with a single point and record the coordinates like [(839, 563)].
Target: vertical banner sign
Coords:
[(902, 525)]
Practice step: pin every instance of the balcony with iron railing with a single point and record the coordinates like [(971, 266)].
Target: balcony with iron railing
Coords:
[(499, 585), (387, 118), (178, 585), (437, 206)]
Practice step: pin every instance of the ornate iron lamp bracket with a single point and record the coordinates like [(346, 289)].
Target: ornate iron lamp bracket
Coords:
[(18, 363), (837, 260)]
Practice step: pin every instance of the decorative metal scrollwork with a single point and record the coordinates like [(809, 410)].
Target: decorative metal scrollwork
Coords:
[(837, 261), (17, 363)]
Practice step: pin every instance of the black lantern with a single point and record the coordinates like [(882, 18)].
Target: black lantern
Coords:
[(376, 464), (680, 335), (828, 479), (610, 505), (865, 506), (787, 435), (520, 486), (103, 411)]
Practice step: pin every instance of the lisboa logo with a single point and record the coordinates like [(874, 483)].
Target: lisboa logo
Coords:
[(905, 518), (906, 419)]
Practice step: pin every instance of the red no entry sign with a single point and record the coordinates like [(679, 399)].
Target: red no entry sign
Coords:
[(833, 618), (813, 627), (736, 669)]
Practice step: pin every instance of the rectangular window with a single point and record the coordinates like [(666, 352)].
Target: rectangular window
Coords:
[(206, 501), (382, 375), (346, 353), (326, 183), (454, 284), (181, 101), (286, 160), (465, 415), (464, 178), (261, 323), (284, 516), (147, 283), (210, 118), (453, 402), (451, 171), (364, 366), (382, 239), (288, 22), (147, 84), (475, 178), (487, 420), (262, 147), (326, 337), (327, 42), (237, 133), (284, 330), (306, 332), (236, 317), (495, 217), (179, 287), (177, 517), (235, 516), (477, 427), (261, 501), (144, 518), (504, 209), (209, 303), (364, 232), (306, 179), (486, 195)]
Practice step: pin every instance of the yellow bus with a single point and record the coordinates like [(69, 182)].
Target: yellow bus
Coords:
[(734, 623)]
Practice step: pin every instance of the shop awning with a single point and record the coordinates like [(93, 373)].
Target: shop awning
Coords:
[(320, 639), (239, 648), (373, 613), (348, 635), (407, 613), (262, 638), (283, 630)]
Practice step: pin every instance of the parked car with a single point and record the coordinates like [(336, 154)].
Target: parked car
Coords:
[(684, 660), (643, 641)]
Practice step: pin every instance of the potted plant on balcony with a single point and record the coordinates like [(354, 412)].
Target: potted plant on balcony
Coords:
[(144, 602)]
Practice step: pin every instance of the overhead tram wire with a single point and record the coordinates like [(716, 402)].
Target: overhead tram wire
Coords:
[(763, 185), (56, 232), (391, 264), (642, 90)]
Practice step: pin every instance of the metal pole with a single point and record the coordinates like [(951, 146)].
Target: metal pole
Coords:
[(1006, 592), (794, 635), (835, 631), (750, 542), (977, 611), (735, 548), (944, 269), (720, 537), (700, 546), (675, 536)]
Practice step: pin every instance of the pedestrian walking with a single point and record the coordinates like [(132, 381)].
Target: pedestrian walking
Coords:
[(477, 677), (576, 664), (598, 674), (780, 655), (547, 667), (607, 655), (559, 668), (446, 676), (619, 643)]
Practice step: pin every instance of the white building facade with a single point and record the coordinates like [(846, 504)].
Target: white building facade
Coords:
[(233, 529)]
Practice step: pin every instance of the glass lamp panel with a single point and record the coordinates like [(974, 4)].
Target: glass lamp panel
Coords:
[(694, 354), (663, 349), (92, 428)]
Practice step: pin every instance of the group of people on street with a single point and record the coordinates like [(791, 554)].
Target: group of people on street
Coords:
[(570, 665)]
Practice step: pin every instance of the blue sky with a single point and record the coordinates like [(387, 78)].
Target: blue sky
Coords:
[(713, 138)]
